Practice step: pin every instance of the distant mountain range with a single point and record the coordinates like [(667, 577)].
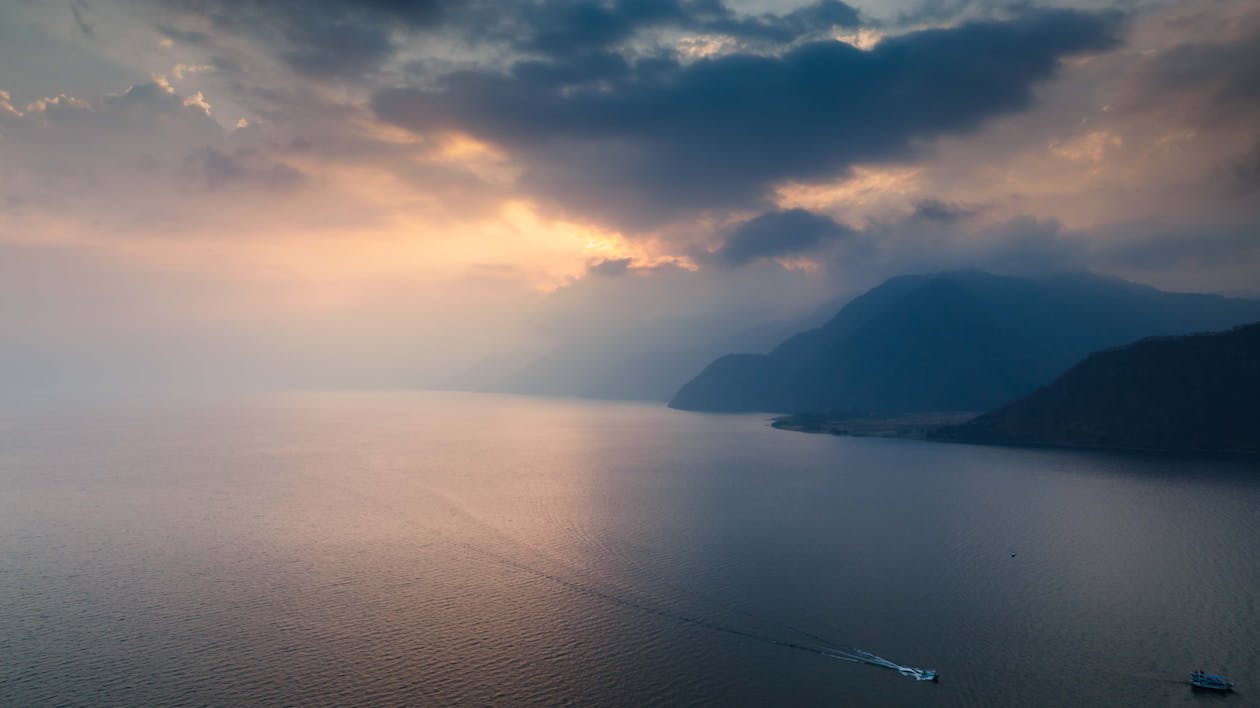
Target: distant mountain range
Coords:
[(636, 367), (952, 341), (1198, 392)]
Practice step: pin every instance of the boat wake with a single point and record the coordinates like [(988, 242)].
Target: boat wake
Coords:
[(861, 656), (612, 592), (810, 642)]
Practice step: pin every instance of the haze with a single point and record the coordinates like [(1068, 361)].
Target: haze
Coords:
[(222, 194)]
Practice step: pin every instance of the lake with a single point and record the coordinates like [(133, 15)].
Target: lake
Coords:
[(463, 549)]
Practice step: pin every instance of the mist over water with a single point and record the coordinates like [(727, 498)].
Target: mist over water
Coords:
[(471, 549)]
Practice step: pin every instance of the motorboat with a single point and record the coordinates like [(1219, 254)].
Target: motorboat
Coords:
[(1210, 682)]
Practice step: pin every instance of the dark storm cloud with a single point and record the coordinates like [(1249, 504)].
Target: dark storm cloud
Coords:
[(576, 27), (644, 139), (798, 23), (563, 28), (778, 233), (345, 38)]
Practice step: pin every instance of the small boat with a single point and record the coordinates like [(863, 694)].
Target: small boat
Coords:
[(1211, 682)]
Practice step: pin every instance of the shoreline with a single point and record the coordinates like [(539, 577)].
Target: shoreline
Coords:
[(916, 426), (928, 427)]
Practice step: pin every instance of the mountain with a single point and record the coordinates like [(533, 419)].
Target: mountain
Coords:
[(584, 372), (1198, 392), (952, 341), (638, 366)]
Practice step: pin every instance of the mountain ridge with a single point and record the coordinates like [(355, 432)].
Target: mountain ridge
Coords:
[(951, 341), (1193, 392)]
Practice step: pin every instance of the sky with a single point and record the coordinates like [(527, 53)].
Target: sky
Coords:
[(222, 193)]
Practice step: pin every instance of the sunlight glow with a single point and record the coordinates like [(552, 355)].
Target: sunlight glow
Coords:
[(862, 189)]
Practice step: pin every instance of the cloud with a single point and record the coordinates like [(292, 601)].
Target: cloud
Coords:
[(322, 38), (337, 49), (610, 266), (217, 169), (100, 136), (932, 235), (1021, 245), (1225, 71), (642, 142), (667, 307), (778, 233), (77, 8), (1247, 170), (567, 29), (935, 210), (401, 161), (1229, 248), (348, 39)]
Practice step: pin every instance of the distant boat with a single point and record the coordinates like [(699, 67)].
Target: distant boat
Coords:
[(1211, 682)]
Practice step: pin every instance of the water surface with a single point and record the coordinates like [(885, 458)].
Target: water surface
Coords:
[(465, 549)]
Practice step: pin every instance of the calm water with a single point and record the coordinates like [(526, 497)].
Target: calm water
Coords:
[(460, 549)]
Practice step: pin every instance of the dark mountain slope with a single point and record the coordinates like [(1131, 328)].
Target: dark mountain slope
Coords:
[(954, 341), (1198, 392)]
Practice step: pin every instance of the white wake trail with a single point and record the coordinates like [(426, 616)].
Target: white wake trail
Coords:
[(861, 656)]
